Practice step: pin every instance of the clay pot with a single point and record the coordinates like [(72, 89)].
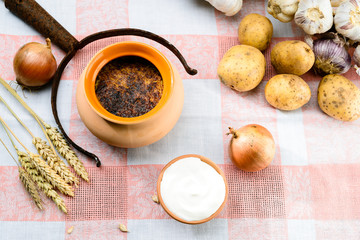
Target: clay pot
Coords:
[(212, 164), (136, 131)]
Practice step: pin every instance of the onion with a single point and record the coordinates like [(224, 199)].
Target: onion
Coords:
[(252, 147), (34, 64)]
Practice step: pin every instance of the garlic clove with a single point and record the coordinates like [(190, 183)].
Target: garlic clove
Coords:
[(123, 228), (283, 10), (70, 230), (314, 16), (347, 19), (229, 7), (356, 58), (282, 17), (309, 41), (335, 4), (155, 198)]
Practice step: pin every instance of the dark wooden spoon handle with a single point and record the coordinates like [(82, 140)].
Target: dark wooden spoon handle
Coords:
[(37, 17)]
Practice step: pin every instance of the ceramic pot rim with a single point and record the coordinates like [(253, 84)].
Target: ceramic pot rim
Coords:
[(121, 49), (212, 164)]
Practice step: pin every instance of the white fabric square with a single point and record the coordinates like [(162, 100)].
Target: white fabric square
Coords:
[(32, 230), (301, 229), (280, 29), (292, 137), (190, 135), (338, 229), (64, 11), (216, 229), (173, 17)]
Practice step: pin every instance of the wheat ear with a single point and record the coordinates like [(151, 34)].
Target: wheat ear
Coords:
[(54, 161), (42, 183), (45, 170), (50, 175), (24, 177), (30, 187), (46, 151), (65, 151)]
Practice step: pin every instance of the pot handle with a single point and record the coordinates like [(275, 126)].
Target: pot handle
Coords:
[(140, 33), (33, 14)]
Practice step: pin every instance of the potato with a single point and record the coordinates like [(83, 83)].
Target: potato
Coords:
[(339, 97), (242, 68), (255, 30), (292, 57), (287, 92)]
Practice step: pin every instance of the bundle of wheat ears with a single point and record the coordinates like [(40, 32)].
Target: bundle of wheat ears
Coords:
[(45, 171)]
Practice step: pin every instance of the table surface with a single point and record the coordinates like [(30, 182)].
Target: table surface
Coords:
[(311, 189)]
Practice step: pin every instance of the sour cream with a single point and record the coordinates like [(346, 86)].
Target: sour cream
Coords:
[(192, 190)]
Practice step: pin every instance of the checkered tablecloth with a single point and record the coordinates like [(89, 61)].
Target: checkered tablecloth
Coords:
[(310, 191)]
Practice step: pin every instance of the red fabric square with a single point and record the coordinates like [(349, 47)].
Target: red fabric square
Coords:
[(104, 198), (225, 43), (142, 186), (96, 15), (255, 195), (335, 191), (200, 52)]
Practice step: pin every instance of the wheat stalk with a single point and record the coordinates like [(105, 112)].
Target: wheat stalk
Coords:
[(65, 151), (55, 162), (30, 187), (46, 151), (44, 169), (24, 178), (42, 183), (50, 175)]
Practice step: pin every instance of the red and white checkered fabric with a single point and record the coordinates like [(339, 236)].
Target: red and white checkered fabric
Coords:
[(310, 191)]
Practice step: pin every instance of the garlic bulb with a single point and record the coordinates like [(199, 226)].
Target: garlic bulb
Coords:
[(229, 7), (335, 4), (331, 54), (347, 19), (314, 16), (331, 57), (283, 10)]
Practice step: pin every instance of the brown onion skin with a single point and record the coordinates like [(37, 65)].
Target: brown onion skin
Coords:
[(34, 64), (252, 147)]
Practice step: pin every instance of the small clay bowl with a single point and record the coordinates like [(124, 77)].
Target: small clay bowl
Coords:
[(130, 132), (212, 164)]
